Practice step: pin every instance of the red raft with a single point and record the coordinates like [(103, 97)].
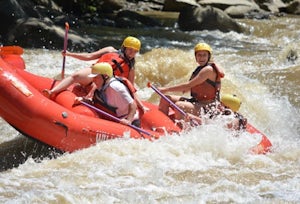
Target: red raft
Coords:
[(64, 126)]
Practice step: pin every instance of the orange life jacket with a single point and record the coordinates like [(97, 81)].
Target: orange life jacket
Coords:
[(208, 90), (121, 65)]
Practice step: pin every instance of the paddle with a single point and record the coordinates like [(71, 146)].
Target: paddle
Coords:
[(172, 104), (65, 49), (167, 99), (115, 118), (15, 50)]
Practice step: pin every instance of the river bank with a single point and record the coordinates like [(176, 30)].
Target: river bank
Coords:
[(38, 24)]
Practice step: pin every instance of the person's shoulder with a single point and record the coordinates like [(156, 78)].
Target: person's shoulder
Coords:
[(105, 50), (116, 83), (208, 68), (119, 88), (109, 49)]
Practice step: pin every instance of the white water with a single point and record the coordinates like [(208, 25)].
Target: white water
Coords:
[(205, 165)]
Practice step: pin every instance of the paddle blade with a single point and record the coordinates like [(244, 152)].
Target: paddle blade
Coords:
[(67, 27), (13, 50)]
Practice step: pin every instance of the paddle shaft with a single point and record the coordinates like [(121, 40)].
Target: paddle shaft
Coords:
[(172, 104), (167, 99), (114, 118), (65, 49)]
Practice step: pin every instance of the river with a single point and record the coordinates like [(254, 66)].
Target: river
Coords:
[(204, 165)]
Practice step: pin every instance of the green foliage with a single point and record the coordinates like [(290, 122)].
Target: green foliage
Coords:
[(88, 6)]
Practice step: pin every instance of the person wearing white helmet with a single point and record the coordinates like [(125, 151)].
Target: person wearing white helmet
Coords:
[(204, 86), (112, 95)]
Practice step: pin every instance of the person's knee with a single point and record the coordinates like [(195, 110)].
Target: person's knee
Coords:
[(163, 106), (75, 77), (181, 104)]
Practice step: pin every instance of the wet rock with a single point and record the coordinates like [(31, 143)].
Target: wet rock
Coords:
[(178, 5), (33, 32), (247, 12), (292, 55), (224, 4), (292, 8), (16, 15), (208, 18), (272, 6), (130, 19)]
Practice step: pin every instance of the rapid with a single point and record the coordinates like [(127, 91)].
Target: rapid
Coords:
[(206, 164)]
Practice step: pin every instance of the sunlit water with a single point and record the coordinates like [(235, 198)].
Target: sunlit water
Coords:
[(204, 165)]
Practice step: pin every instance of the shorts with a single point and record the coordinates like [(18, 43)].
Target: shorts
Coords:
[(136, 123)]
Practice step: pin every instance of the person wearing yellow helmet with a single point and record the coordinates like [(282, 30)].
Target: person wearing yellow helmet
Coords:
[(112, 95), (122, 62), (103, 69), (230, 105), (204, 85), (231, 101), (203, 47), (131, 42)]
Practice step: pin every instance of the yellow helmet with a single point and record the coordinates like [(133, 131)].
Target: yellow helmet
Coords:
[(102, 68), (132, 42), (231, 101), (203, 46)]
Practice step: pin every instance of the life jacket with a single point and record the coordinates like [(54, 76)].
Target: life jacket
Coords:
[(120, 63), (100, 100), (208, 90)]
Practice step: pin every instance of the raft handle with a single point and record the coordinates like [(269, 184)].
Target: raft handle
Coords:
[(62, 125)]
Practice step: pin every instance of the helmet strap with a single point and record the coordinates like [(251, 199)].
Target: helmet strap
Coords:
[(123, 49), (104, 77)]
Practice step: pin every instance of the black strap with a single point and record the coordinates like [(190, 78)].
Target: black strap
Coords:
[(100, 98), (118, 65)]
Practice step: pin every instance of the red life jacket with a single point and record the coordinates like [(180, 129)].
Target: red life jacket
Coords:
[(120, 64), (208, 90)]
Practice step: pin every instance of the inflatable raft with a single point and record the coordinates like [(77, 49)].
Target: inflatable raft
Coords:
[(59, 123)]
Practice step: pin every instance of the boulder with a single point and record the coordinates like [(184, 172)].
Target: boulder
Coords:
[(224, 4), (271, 6), (292, 8), (178, 5), (246, 12), (131, 19), (208, 18), (37, 33)]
